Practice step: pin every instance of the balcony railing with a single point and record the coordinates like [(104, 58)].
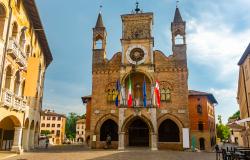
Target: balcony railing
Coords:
[(16, 52), (139, 104), (13, 101)]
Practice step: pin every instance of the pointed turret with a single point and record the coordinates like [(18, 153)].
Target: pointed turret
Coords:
[(99, 22), (178, 29), (99, 41), (177, 16)]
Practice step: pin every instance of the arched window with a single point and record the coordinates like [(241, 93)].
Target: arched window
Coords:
[(200, 126), (202, 143), (109, 95), (17, 83), (165, 95), (114, 93), (8, 77), (2, 19), (27, 50), (22, 40), (98, 44), (169, 131), (14, 30), (109, 127), (18, 4), (23, 87), (199, 109), (179, 39)]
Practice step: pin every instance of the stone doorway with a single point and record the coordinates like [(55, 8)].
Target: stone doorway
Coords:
[(138, 133)]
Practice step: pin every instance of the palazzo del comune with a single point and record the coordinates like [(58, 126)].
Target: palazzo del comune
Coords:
[(165, 127)]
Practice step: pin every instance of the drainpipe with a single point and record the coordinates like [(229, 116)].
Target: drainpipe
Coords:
[(243, 72), (5, 47)]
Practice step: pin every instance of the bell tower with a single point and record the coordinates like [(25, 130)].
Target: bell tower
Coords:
[(178, 29), (137, 41), (99, 41)]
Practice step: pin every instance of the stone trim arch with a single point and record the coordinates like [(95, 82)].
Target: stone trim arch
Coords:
[(150, 77), (131, 118), (171, 117), (103, 119), (174, 119), (15, 120)]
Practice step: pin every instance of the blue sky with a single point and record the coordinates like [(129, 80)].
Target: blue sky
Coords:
[(217, 34)]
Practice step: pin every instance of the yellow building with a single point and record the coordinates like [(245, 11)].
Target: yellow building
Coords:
[(24, 57), (55, 124), (80, 130), (243, 95)]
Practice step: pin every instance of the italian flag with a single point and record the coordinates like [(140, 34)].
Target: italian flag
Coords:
[(157, 93), (130, 101)]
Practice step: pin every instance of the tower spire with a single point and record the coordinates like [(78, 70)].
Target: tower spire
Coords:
[(99, 22), (177, 15)]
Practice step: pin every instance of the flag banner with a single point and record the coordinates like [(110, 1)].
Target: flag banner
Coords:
[(157, 93), (130, 101), (118, 88), (144, 94)]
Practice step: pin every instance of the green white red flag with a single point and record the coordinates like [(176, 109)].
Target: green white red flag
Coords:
[(130, 101), (157, 93)]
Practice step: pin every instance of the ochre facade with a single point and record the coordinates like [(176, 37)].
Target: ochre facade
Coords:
[(24, 57), (163, 127)]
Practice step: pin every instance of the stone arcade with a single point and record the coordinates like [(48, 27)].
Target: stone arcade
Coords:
[(164, 127)]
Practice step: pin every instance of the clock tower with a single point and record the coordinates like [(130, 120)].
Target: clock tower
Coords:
[(137, 41)]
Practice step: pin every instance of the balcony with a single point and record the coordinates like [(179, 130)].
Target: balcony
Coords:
[(16, 52), (139, 104), (13, 101)]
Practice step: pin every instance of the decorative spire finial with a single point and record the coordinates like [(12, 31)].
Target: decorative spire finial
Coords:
[(177, 3), (137, 9), (100, 9)]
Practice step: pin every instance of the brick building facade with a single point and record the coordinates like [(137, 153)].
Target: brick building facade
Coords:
[(164, 127)]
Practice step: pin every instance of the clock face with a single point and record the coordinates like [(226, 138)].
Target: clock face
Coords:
[(136, 54)]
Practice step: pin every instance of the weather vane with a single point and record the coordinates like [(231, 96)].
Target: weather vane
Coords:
[(177, 3), (137, 9), (100, 9)]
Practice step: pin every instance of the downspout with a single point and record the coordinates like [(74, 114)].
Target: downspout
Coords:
[(5, 47), (243, 72)]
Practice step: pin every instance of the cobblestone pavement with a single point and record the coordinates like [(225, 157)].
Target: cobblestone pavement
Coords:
[(79, 152)]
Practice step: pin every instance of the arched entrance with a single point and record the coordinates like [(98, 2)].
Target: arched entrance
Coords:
[(138, 133), (202, 143), (169, 131), (7, 130), (109, 127)]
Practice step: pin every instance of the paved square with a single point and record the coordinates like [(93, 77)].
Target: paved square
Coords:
[(79, 152)]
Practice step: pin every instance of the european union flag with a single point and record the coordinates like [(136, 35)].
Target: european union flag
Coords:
[(118, 88), (144, 94)]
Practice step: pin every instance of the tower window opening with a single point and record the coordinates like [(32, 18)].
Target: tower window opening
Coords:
[(179, 39), (99, 44)]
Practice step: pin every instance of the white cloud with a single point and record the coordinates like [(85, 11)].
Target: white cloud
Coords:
[(216, 46)]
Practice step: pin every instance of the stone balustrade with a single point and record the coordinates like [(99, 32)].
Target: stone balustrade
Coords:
[(17, 53), (9, 99)]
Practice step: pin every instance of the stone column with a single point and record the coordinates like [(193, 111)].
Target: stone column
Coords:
[(153, 141), (26, 139), (121, 134), (154, 129), (17, 140), (31, 139), (36, 140)]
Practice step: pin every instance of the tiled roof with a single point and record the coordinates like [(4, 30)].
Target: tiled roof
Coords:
[(210, 96), (244, 56)]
